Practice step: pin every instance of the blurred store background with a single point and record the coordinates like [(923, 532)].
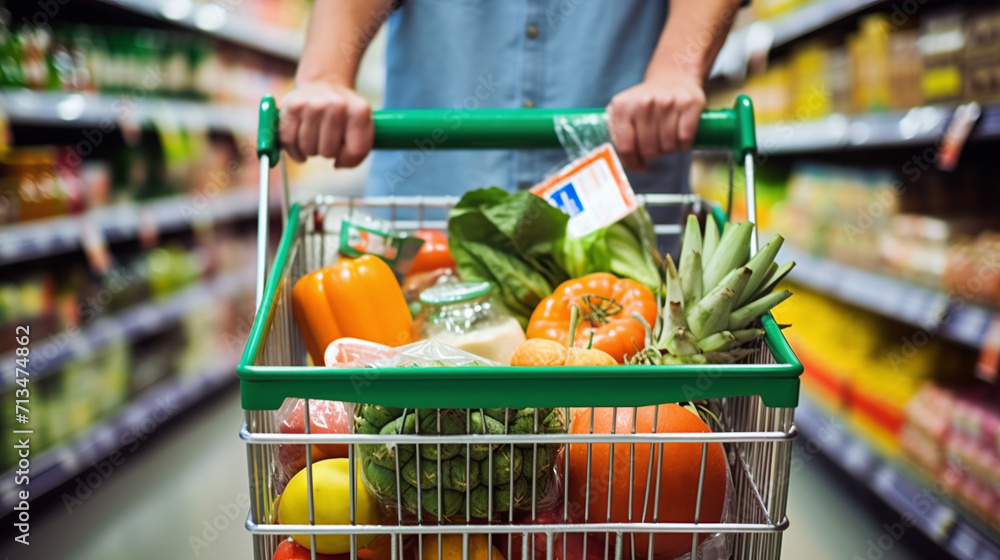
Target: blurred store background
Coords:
[(128, 185)]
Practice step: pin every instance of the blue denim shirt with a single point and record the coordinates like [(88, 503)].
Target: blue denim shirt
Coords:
[(465, 54)]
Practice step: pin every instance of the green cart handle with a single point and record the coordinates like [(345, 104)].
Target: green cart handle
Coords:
[(395, 129)]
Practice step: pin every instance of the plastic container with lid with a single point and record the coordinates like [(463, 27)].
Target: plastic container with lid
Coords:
[(463, 315)]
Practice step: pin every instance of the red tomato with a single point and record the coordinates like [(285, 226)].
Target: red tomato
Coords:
[(291, 550), (434, 253)]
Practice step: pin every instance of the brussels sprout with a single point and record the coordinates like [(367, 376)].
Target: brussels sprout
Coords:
[(410, 498), (381, 481), (454, 477), (428, 470), (362, 426), (378, 415), (524, 421), (492, 426), (543, 465), (451, 501), (502, 495), (479, 502), (502, 459), (429, 451), (479, 451), (554, 423), (499, 414)]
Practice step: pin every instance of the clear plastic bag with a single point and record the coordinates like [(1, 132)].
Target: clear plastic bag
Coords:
[(580, 134), (457, 480), (325, 417)]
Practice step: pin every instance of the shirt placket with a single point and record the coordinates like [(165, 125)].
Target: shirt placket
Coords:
[(532, 83)]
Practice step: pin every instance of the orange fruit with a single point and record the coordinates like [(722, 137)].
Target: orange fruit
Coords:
[(678, 472)]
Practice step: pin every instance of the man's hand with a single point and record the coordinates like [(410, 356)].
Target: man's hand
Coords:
[(329, 120), (656, 117)]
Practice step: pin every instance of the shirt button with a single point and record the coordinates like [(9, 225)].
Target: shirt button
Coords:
[(532, 31), (528, 104)]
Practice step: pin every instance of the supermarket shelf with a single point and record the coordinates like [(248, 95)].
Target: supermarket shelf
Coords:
[(898, 299), (770, 33), (920, 126), (946, 525), (133, 323), (215, 21), (98, 110), (42, 238), (164, 401)]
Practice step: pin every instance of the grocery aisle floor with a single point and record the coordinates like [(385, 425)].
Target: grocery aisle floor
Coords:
[(195, 470)]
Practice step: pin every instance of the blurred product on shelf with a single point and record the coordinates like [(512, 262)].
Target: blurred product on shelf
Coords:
[(866, 365), (47, 181), (710, 180), (84, 58), (94, 380), (927, 229), (952, 434), (940, 56), (288, 14), (909, 396)]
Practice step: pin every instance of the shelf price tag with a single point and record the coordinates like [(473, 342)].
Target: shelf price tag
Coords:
[(989, 352), (95, 246), (961, 124)]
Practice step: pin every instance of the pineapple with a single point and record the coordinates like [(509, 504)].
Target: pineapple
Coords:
[(709, 305)]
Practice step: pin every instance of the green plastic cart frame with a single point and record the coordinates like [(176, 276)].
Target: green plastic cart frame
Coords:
[(760, 394)]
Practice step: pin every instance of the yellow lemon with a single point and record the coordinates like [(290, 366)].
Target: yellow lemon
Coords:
[(451, 548), (331, 498)]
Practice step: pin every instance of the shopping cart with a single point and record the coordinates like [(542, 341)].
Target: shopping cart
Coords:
[(754, 400)]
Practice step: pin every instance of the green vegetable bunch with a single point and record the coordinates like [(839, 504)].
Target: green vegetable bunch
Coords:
[(455, 479), (709, 306), (518, 243)]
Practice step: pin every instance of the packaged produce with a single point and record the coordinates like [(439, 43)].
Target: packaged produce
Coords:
[(709, 309), (519, 473), (606, 306), (357, 298), (674, 471), (363, 235), (462, 315), (325, 417), (519, 243), (332, 505)]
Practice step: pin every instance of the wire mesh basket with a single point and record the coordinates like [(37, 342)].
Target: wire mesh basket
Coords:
[(531, 513)]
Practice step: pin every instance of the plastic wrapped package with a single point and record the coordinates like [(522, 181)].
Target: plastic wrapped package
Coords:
[(325, 417), (457, 481)]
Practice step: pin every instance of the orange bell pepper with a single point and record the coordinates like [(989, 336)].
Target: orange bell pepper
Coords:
[(606, 304), (359, 298)]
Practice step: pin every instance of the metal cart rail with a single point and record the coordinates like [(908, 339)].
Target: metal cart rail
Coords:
[(753, 400)]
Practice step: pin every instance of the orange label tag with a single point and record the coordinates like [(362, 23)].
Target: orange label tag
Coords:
[(593, 190)]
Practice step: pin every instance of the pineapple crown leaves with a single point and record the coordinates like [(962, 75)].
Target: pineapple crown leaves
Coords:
[(709, 304)]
